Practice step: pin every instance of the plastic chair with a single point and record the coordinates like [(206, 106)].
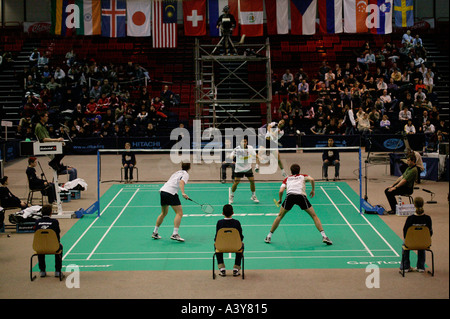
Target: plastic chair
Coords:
[(228, 240), (418, 238), (45, 242), (134, 168)]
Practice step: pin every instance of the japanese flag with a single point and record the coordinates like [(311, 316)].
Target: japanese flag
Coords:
[(138, 18)]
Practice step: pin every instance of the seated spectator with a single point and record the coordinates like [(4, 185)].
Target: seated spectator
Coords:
[(331, 158), (8, 199), (385, 125), (364, 124), (403, 185), (229, 222), (35, 183), (409, 128), (128, 163), (318, 128)]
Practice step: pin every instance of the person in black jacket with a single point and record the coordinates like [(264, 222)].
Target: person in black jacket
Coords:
[(331, 158), (418, 219), (35, 183), (8, 199), (46, 222), (128, 162), (229, 222)]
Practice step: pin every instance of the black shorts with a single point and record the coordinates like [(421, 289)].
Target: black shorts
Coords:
[(247, 174), (168, 199), (296, 199)]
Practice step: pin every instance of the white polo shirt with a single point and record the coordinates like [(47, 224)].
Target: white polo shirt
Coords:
[(173, 184), (244, 158), (295, 184)]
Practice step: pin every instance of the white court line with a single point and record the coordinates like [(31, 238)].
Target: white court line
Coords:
[(221, 205), (100, 241), (213, 226), (370, 224), (209, 258), (84, 233), (362, 242), (247, 252)]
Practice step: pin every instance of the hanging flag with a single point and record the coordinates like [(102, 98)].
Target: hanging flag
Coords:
[(90, 17), (114, 16), (138, 18), (330, 16), (216, 9), (65, 17), (251, 17), (303, 16), (355, 16), (194, 17), (277, 16), (379, 19), (404, 13), (164, 24)]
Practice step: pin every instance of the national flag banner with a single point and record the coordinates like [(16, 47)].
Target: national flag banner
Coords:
[(90, 17), (216, 9), (303, 17), (138, 18), (404, 13), (164, 24), (251, 17), (194, 17), (114, 17), (330, 16), (277, 14), (379, 20), (63, 16), (355, 16)]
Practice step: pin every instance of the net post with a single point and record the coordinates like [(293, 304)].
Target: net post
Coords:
[(360, 179), (98, 182)]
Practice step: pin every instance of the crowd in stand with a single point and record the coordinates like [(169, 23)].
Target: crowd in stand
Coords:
[(385, 90), (87, 99)]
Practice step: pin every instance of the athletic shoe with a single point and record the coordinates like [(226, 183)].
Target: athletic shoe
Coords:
[(327, 241), (156, 236), (42, 274), (176, 237), (254, 198), (222, 272), (57, 274), (230, 199), (420, 270), (236, 272), (268, 239)]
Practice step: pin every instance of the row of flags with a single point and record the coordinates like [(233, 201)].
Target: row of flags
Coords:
[(158, 18)]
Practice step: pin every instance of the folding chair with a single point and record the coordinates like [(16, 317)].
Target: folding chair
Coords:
[(45, 242), (122, 172), (418, 238), (228, 240)]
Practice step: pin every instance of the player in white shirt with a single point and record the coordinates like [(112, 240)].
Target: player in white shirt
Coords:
[(169, 197), (274, 132), (295, 186), (245, 155)]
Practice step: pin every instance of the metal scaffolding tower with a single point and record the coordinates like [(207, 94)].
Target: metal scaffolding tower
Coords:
[(224, 93)]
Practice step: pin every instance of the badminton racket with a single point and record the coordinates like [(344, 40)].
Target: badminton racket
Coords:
[(276, 202), (206, 208)]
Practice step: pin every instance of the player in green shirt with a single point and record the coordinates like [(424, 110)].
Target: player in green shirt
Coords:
[(404, 185)]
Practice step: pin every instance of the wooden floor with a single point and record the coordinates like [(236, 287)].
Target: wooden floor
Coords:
[(15, 250)]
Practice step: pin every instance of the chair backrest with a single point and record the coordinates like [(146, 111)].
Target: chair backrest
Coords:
[(228, 240), (418, 238), (45, 242)]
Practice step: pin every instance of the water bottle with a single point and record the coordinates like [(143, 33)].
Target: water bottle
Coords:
[(399, 201)]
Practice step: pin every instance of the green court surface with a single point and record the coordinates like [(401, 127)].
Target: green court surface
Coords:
[(120, 239)]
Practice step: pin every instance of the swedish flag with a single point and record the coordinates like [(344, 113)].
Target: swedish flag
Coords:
[(404, 13)]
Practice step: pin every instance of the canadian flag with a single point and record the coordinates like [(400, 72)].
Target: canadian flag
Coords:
[(194, 15), (138, 18)]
